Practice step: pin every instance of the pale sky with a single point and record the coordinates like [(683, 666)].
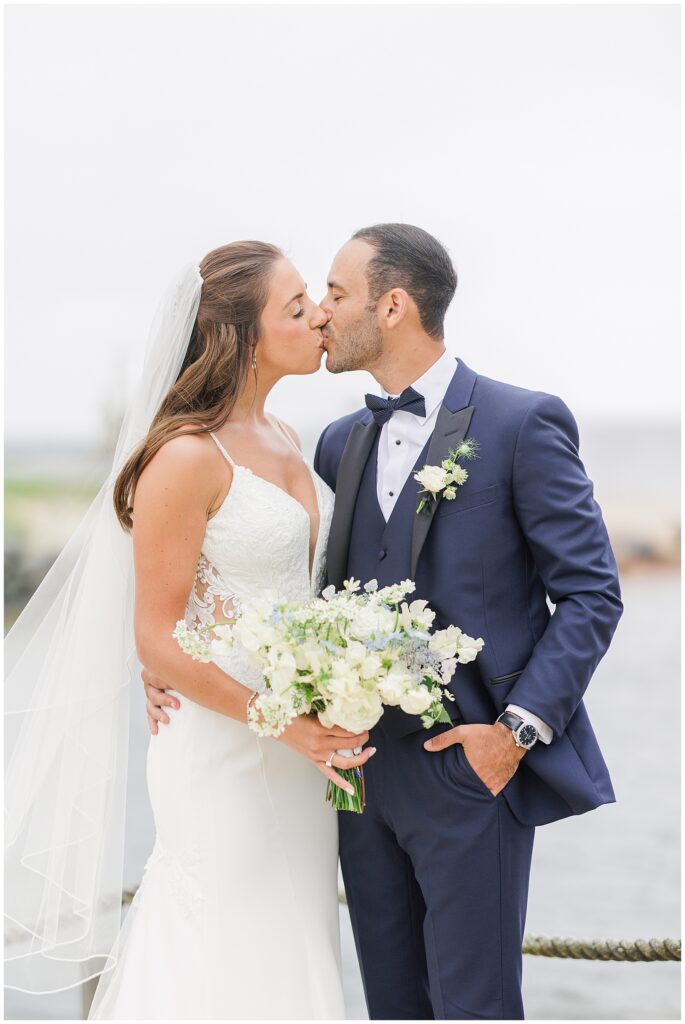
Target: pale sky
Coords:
[(539, 143)]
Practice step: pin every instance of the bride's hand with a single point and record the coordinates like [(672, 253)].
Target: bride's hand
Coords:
[(310, 739)]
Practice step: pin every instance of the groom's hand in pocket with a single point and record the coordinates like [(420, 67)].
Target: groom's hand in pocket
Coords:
[(489, 749), (157, 700)]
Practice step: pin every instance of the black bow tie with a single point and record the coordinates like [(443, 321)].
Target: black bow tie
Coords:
[(383, 408)]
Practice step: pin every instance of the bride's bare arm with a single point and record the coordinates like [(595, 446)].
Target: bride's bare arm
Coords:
[(173, 499)]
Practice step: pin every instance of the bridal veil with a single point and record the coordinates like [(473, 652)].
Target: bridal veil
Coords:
[(69, 662)]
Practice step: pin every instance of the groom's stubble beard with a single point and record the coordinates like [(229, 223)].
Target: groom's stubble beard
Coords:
[(356, 347)]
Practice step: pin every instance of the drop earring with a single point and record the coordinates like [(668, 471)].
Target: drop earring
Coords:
[(254, 361)]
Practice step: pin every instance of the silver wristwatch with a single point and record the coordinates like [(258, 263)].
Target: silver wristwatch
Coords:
[(525, 735)]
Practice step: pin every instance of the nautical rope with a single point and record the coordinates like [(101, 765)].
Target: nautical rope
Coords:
[(640, 950)]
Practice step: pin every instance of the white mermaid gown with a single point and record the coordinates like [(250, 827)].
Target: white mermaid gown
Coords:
[(237, 913)]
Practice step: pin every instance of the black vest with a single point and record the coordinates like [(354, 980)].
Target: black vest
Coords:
[(380, 550)]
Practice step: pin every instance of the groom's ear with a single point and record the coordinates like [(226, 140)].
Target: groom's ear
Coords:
[(393, 307)]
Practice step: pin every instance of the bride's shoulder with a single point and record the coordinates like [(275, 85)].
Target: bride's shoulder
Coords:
[(187, 450), (186, 463)]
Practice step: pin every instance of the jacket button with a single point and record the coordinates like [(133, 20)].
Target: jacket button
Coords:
[(381, 554)]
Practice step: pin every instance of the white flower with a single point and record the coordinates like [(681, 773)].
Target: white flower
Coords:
[(351, 585), (355, 652), (447, 476), (325, 719), (252, 635), (280, 666), (447, 670), (459, 475), (417, 612), (248, 638), (311, 657), (280, 679), (344, 679), (370, 667), (371, 586), (329, 593), (394, 686), (224, 633), (370, 620), (356, 715), (417, 700), (444, 642), (468, 648), (432, 478), (269, 714), (394, 593), (194, 642)]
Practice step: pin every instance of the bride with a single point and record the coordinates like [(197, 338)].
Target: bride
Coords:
[(209, 503)]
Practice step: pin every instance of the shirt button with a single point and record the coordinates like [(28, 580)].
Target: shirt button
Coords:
[(391, 493), (398, 442), (381, 554)]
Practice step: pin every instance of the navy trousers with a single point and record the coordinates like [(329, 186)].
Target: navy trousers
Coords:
[(436, 873)]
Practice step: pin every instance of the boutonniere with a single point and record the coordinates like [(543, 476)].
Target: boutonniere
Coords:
[(445, 478)]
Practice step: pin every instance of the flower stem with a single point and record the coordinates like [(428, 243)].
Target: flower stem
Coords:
[(340, 798)]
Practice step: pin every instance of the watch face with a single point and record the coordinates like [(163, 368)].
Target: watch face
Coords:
[(527, 735)]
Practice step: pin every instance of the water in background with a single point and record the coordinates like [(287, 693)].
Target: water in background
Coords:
[(612, 873), (636, 476)]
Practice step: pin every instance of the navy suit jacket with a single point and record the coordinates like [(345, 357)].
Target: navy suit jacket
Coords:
[(525, 527)]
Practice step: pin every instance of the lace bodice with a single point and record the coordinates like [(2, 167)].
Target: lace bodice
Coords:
[(258, 540)]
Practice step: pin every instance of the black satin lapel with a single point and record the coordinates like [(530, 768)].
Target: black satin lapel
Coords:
[(350, 469), (450, 430)]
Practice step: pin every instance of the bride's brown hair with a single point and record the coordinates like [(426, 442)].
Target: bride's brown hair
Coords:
[(234, 293)]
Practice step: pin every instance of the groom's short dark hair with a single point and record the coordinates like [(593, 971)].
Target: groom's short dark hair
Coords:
[(408, 257)]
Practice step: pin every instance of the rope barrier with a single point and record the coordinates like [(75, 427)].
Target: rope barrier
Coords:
[(639, 951)]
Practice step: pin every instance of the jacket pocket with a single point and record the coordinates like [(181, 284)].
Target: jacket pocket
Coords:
[(462, 502), (509, 678)]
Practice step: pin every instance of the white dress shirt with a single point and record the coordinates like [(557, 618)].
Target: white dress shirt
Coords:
[(401, 441)]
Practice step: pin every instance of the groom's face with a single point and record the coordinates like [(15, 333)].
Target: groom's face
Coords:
[(352, 336)]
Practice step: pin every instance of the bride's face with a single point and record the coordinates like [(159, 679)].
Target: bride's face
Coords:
[(291, 340)]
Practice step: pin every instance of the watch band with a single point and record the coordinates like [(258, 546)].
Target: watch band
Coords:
[(510, 720), (519, 729)]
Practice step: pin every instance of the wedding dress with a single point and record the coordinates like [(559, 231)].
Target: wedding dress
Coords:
[(237, 913)]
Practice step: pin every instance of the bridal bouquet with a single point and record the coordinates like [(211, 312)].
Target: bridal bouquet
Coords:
[(344, 656)]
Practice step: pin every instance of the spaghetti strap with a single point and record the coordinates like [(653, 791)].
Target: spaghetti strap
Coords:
[(287, 435), (221, 448)]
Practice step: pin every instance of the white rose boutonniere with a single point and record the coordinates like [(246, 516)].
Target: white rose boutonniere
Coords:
[(445, 478)]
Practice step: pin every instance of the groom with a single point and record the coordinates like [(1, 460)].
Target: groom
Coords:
[(436, 868)]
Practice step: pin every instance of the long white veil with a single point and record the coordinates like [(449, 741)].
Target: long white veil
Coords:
[(70, 657)]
